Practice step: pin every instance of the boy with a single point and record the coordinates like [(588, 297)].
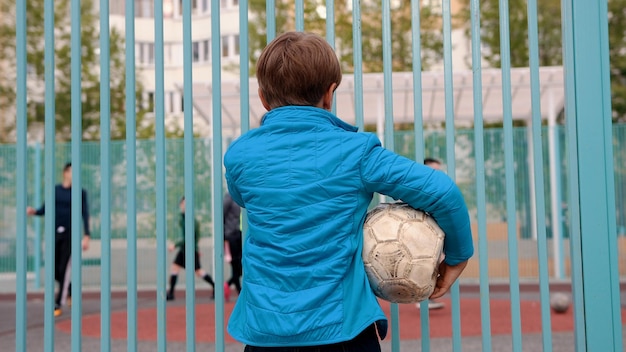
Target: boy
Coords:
[(179, 261), (306, 179), (63, 238)]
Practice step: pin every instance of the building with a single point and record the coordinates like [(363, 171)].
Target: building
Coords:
[(201, 57), (173, 49)]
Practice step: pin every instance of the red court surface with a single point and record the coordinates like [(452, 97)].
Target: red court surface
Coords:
[(440, 320)]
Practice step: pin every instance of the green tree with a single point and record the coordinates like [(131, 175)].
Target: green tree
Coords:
[(90, 72), (371, 29), (7, 71), (617, 43), (549, 39)]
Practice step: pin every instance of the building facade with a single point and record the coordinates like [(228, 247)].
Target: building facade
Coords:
[(174, 51)]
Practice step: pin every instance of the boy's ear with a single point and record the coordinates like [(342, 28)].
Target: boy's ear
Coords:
[(327, 99), (263, 101)]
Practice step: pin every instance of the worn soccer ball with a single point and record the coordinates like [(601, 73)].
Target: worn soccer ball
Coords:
[(401, 251), (559, 302)]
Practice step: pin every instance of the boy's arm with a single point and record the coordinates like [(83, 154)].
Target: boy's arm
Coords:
[(85, 212), (33, 211), (423, 188)]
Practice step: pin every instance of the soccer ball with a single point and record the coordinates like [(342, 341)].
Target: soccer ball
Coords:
[(401, 251), (559, 302)]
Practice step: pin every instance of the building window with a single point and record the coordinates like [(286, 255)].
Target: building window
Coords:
[(196, 51), (143, 9), (170, 96), (145, 53), (150, 102), (225, 46), (227, 4), (194, 7), (150, 49), (236, 44), (206, 50)]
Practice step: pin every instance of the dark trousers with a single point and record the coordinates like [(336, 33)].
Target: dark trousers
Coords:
[(235, 263), (366, 341), (62, 254)]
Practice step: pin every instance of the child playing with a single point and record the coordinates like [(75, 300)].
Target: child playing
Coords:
[(179, 261), (232, 244), (306, 179)]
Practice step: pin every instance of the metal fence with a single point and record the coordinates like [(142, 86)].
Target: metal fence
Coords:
[(435, 146), (588, 190)]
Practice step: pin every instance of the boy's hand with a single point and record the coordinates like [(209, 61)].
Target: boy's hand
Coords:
[(30, 211), (447, 275), (85, 242), (171, 247)]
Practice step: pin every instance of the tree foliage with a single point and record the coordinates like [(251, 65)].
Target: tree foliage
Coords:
[(90, 72), (549, 39), (617, 50), (371, 31)]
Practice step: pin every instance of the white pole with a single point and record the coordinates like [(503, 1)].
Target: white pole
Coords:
[(554, 185), (531, 185)]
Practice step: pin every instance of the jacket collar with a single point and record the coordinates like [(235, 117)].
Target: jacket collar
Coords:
[(305, 113)]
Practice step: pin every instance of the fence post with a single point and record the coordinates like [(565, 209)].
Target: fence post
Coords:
[(595, 274), (37, 242)]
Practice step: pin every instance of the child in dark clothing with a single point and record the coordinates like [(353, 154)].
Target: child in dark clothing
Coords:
[(233, 244), (63, 239), (179, 261)]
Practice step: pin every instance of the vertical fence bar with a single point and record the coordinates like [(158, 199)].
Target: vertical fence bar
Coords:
[(542, 253), (594, 254), (270, 16), (49, 180), (330, 38), (455, 296), (418, 116), (244, 67), (419, 142), (389, 139), (190, 244), (507, 124), (37, 200), (330, 22), (357, 57), (161, 188), (573, 205), (218, 185), (245, 88), (131, 179), (77, 136), (105, 180), (480, 176), (21, 125), (300, 15)]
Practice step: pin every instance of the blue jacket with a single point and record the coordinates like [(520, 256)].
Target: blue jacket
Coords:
[(306, 179)]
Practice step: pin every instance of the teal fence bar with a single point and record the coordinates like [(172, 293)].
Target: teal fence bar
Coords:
[(546, 192)]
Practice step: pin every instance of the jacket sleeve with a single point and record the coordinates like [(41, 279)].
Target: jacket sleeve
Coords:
[(41, 211), (423, 188), (85, 212)]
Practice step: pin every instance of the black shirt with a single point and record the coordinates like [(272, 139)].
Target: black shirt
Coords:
[(63, 211)]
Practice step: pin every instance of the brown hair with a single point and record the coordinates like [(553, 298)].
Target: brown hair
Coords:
[(297, 68)]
